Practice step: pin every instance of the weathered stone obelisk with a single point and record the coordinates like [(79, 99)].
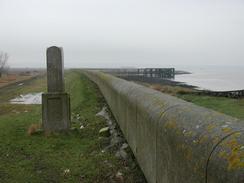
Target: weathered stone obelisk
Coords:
[(55, 103)]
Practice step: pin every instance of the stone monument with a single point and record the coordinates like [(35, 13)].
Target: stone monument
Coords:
[(56, 102)]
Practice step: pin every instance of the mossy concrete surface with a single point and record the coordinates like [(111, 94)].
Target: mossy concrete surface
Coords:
[(174, 140)]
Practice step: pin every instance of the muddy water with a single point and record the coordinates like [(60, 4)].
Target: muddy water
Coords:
[(221, 78), (30, 98)]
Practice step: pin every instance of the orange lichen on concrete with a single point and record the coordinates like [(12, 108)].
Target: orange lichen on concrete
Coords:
[(227, 130), (170, 125), (216, 140), (233, 153), (188, 133), (210, 127), (203, 139), (188, 154)]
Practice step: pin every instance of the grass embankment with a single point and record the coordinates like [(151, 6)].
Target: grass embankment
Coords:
[(229, 106), (72, 157)]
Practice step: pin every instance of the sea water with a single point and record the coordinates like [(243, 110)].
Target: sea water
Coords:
[(215, 78)]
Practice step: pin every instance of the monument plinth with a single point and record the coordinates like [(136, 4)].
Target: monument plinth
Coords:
[(56, 102)]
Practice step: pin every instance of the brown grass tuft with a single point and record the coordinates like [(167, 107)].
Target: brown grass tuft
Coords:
[(33, 129), (172, 90), (156, 87)]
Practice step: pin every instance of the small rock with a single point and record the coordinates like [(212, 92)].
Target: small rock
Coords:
[(104, 132), (103, 113), (108, 164), (119, 177), (121, 154), (81, 127), (116, 140), (119, 174), (82, 177), (66, 172), (124, 146), (133, 166)]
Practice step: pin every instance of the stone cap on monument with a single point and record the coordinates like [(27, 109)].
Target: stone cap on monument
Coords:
[(55, 69)]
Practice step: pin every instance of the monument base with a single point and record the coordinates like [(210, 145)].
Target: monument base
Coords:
[(55, 112)]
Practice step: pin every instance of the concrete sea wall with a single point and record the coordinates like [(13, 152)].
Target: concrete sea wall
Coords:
[(175, 141)]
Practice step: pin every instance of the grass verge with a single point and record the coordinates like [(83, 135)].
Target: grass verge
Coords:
[(73, 157), (229, 106)]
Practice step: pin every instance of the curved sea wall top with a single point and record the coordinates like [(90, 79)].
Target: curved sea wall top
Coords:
[(175, 141)]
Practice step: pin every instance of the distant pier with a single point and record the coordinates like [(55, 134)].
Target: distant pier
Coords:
[(166, 73)]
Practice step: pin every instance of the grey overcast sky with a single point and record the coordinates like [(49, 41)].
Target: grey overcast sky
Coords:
[(120, 33)]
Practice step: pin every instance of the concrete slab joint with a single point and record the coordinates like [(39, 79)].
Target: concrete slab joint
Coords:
[(56, 102)]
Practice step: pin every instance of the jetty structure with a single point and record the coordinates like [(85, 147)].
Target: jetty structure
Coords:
[(165, 73)]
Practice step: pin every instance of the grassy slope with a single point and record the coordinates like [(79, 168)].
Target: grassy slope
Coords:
[(38, 158), (232, 107), (229, 106)]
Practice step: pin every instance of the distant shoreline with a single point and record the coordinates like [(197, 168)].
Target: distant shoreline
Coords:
[(158, 81), (230, 94)]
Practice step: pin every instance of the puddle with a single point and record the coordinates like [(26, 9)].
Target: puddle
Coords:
[(30, 98)]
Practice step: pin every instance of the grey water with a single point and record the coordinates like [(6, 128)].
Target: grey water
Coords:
[(30, 98), (214, 78)]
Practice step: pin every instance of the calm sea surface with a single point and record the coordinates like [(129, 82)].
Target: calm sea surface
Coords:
[(224, 78)]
